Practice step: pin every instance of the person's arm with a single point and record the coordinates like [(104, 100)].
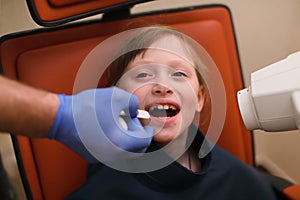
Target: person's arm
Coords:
[(86, 123), (25, 110)]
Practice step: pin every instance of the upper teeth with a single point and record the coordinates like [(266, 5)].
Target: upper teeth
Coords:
[(162, 107)]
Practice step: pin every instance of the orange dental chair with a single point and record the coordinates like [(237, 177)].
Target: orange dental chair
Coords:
[(50, 57)]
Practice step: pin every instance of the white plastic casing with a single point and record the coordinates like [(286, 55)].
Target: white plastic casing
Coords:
[(268, 103), (247, 109), (296, 103)]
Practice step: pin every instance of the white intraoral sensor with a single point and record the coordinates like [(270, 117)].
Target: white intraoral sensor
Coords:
[(142, 114)]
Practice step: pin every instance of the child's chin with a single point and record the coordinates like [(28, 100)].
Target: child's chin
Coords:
[(163, 137)]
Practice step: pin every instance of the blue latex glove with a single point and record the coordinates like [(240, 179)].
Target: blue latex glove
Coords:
[(88, 124)]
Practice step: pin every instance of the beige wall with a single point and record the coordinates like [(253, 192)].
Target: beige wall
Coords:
[(266, 30)]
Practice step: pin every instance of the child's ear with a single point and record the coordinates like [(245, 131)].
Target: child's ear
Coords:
[(201, 98)]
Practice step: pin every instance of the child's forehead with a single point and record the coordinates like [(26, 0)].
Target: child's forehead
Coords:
[(171, 43), (170, 46), (160, 57)]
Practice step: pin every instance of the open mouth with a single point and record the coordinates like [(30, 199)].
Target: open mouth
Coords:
[(163, 110)]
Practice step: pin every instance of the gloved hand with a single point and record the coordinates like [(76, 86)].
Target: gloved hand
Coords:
[(88, 124)]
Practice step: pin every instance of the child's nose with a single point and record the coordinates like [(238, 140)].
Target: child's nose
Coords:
[(162, 90)]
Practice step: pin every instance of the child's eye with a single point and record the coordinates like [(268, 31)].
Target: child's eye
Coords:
[(142, 75), (179, 74)]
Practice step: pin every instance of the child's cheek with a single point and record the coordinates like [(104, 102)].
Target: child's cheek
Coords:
[(140, 93)]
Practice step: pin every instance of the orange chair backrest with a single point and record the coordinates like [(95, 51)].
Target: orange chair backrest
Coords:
[(50, 58)]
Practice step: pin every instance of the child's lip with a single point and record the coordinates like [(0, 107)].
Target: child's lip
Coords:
[(163, 121)]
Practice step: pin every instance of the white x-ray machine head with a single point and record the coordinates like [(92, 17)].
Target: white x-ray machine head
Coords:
[(272, 101)]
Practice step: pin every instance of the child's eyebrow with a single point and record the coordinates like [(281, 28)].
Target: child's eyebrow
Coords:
[(171, 63), (181, 63), (143, 62)]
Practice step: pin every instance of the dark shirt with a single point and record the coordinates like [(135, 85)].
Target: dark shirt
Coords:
[(222, 177)]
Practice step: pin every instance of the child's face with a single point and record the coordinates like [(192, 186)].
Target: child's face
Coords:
[(168, 88)]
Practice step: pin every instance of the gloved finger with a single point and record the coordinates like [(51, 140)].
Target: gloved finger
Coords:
[(149, 130), (136, 129), (133, 123), (123, 100), (133, 106)]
